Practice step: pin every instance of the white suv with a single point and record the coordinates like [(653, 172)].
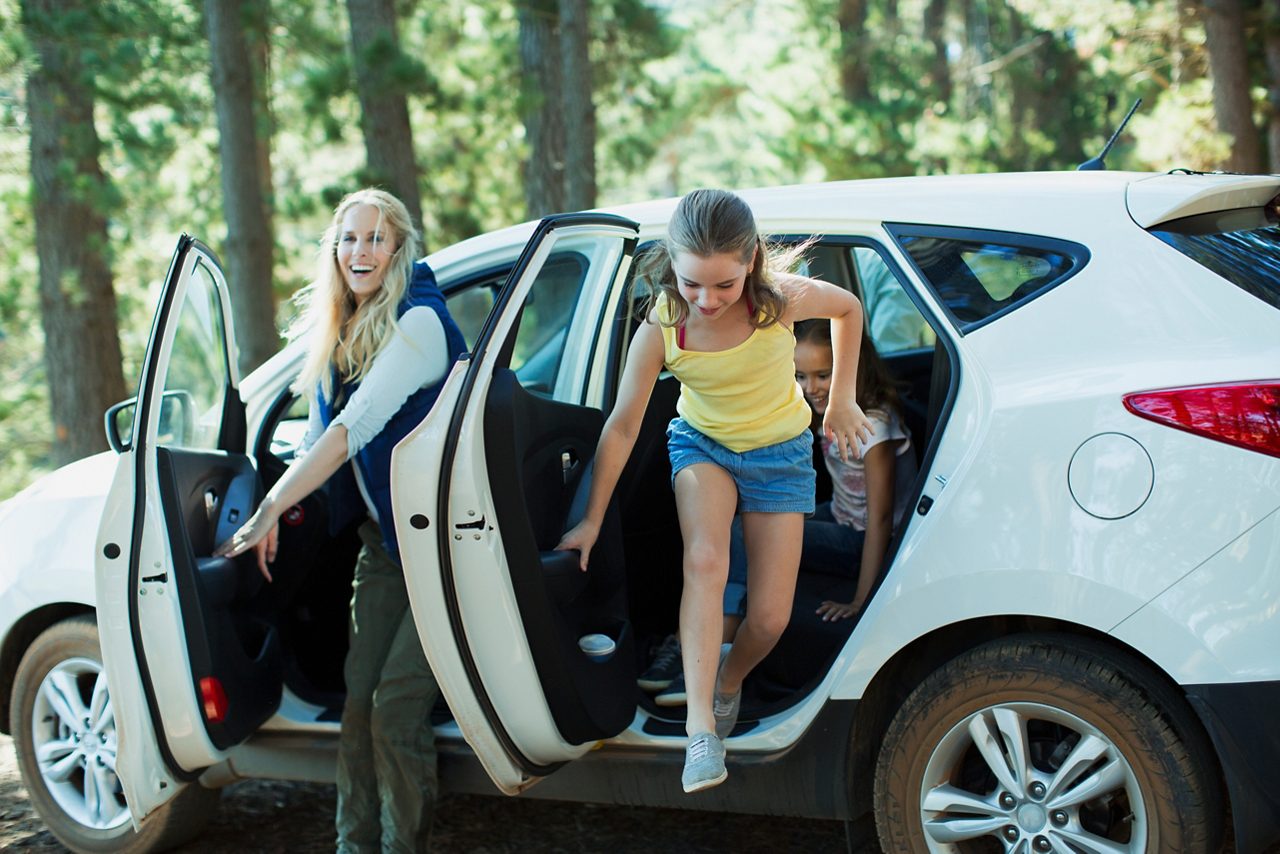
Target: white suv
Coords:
[(1074, 644)]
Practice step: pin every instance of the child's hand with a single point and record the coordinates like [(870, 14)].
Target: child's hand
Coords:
[(583, 537), (846, 424), (831, 611)]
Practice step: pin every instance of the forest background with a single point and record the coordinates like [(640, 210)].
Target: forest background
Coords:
[(124, 123)]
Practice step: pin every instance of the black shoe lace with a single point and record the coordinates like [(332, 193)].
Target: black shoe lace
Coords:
[(667, 654)]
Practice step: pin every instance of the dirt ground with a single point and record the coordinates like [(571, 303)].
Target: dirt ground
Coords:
[(269, 817)]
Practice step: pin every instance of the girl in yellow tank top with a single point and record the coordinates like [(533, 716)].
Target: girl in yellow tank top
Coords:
[(722, 308)]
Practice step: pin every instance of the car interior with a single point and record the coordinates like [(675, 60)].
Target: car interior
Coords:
[(540, 451), (652, 542)]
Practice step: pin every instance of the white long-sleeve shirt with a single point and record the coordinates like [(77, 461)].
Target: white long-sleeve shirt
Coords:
[(416, 356)]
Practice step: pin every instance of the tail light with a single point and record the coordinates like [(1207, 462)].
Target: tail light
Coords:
[(214, 699), (1246, 415)]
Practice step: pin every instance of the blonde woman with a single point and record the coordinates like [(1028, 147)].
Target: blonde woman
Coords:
[(380, 343)]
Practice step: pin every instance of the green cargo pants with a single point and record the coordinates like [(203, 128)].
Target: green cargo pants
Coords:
[(386, 750)]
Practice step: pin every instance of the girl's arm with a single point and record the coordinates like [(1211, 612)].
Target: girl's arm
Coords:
[(644, 363), (807, 299), (879, 462)]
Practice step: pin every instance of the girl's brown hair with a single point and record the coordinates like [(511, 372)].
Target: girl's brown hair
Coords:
[(875, 388), (716, 222)]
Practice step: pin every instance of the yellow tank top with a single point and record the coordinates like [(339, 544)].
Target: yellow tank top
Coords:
[(745, 397)]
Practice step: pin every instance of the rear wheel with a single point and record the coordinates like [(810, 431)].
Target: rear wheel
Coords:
[(64, 735), (1046, 744)]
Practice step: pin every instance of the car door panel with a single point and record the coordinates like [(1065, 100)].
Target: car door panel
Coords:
[(207, 496), (535, 448)]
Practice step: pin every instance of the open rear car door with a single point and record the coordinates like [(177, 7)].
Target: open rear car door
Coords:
[(483, 491)]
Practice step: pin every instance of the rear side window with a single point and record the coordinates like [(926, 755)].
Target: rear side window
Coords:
[(1242, 246), (981, 275)]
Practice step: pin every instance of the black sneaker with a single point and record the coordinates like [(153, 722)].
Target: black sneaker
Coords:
[(665, 666), (675, 694)]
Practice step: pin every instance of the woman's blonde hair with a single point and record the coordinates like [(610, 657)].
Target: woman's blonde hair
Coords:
[(716, 222), (344, 335)]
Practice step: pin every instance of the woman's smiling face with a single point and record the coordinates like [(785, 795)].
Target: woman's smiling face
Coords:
[(365, 248)]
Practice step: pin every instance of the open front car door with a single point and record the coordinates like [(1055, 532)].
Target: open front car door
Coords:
[(482, 492), (192, 663)]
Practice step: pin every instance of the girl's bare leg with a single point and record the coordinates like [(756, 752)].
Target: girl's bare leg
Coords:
[(773, 543), (706, 498)]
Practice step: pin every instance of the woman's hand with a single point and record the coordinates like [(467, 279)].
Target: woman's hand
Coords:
[(846, 424), (583, 538), (261, 533)]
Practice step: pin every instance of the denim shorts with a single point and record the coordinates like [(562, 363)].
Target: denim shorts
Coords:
[(773, 479)]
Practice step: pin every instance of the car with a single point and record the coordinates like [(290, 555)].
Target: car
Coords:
[(1072, 644)]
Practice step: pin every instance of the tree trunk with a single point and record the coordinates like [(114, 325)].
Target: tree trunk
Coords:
[(249, 247), (855, 51), (77, 299), (1271, 37), (384, 108), (892, 22), (541, 107), (260, 57), (1020, 86), (1225, 41), (935, 19), (579, 110)]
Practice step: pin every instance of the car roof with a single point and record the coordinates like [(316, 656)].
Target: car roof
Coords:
[(1047, 201)]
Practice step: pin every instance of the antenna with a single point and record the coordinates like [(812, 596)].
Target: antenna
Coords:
[(1095, 163)]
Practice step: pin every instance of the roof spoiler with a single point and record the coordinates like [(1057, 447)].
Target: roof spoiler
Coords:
[(1161, 198)]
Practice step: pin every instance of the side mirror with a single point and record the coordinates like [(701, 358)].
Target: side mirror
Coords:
[(118, 422), (177, 420)]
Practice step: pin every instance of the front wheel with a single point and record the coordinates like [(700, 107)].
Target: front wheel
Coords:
[(64, 734), (1046, 743)]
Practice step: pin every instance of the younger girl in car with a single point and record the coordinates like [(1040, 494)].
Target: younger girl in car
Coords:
[(381, 341), (848, 535), (720, 318)]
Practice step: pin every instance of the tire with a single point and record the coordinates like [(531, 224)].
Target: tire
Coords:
[(1082, 715), (59, 697)]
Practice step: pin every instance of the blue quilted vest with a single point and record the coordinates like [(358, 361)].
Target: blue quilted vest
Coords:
[(374, 459)]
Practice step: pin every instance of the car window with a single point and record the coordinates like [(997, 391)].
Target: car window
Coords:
[(892, 318), (981, 275), (469, 306), (1242, 246), (196, 381), (290, 430), (545, 320)]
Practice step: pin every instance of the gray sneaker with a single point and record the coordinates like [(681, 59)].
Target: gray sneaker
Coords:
[(703, 763), (725, 706)]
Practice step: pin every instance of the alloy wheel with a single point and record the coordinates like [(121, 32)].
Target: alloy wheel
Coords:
[(74, 740)]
